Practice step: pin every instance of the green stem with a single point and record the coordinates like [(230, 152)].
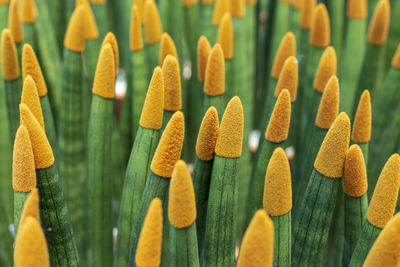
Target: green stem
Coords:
[(13, 89), (283, 239), (19, 201), (183, 246), (206, 27)]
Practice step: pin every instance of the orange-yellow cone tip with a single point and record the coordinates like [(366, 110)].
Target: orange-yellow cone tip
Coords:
[(153, 107), (104, 78), (357, 9), (214, 83), (136, 40), (206, 2), (379, 25), (30, 98), (383, 201), (3, 2), (167, 47), (75, 35), (306, 13), (14, 22), (329, 105), (286, 49), (91, 31), (28, 11), (278, 125), (220, 8), (42, 152), (30, 66), (9, 56), (189, 3), (208, 135), (326, 68), (288, 78), (362, 122), (257, 248), (396, 58), (230, 135), (355, 174), (331, 155), (30, 245), (23, 166), (152, 23), (386, 249), (278, 186), (31, 207), (320, 31), (181, 202), (203, 50), (110, 39), (225, 35), (238, 8), (172, 84), (170, 146), (148, 252)]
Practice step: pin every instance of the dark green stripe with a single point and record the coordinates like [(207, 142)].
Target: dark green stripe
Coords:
[(13, 89), (282, 239), (183, 246), (19, 201)]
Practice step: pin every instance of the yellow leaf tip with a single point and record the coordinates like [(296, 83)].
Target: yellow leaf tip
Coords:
[(257, 247), (28, 11), (203, 50), (152, 23), (23, 167), (357, 9), (225, 36), (286, 49), (278, 125), (42, 151), (288, 78), (9, 56), (238, 8), (386, 249), (326, 68), (329, 105), (170, 146), (379, 25), (230, 136), (30, 245), (30, 98), (208, 134), (91, 31), (14, 22), (136, 40), (172, 84), (30, 66), (331, 155), (362, 122), (112, 40), (214, 83), (167, 47), (220, 8), (396, 58), (320, 32), (181, 203), (278, 186), (104, 78), (153, 107), (306, 14), (75, 35), (31, 207), (384, 198), (355, 174)]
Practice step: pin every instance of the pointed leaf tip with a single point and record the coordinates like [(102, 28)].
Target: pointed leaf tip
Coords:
[(278, 125), (230, 136), (152, 23), (28, 11), (225, 36), (379, 25), (136, 40), (9, 56), (153, 107), (326, 68), (23, 166), (286, 49), (30, 97), (278, 186), (31, 207), (91, 31), (357, 9), (362, 122), (181, 203), (329, 105), (355, 174), (288, 78), (14, 22), (203, 50), (320, 32), (384, 198), (257, 248), (170, 146), (110, 39), (167, 47), (214, 83), (306, 13), (172, 84), (75, 35), (30, 66), (331, 155), (104, 78), (220, 8), (208, 134)]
